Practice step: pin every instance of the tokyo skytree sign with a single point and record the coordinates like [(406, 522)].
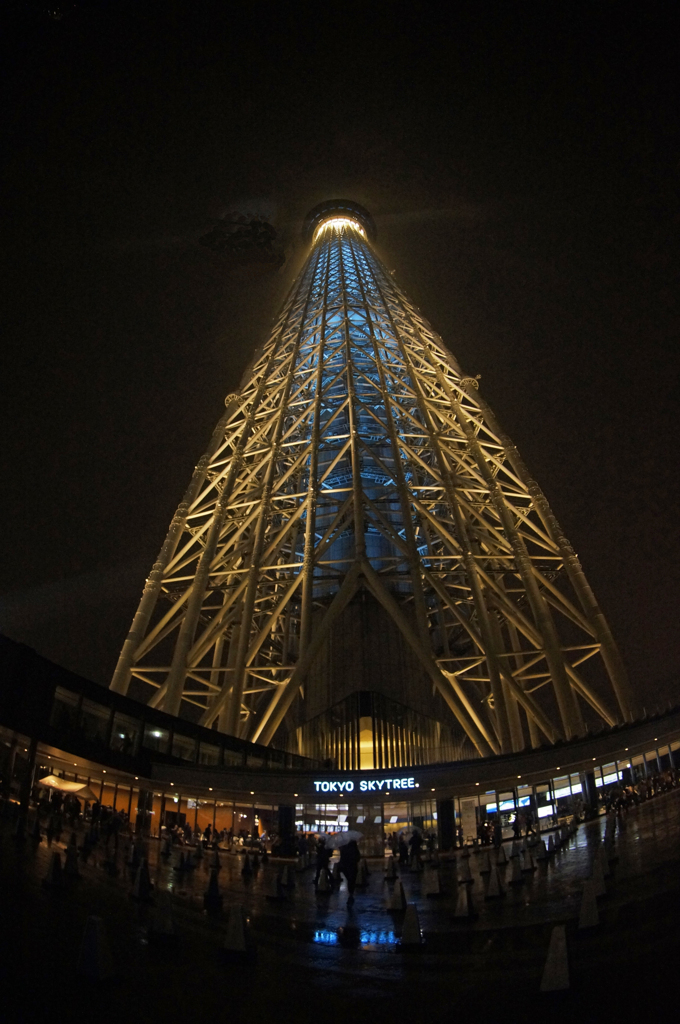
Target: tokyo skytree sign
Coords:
[(360, 524)]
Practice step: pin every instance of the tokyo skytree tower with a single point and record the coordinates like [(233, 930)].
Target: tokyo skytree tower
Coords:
[(362, 567)]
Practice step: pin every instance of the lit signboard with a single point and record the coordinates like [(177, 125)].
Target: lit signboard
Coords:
[(366, 785)]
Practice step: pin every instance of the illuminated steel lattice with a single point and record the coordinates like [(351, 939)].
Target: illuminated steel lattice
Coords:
[(357, 457)]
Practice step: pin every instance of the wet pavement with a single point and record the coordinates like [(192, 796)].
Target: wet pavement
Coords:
[(313, 953)]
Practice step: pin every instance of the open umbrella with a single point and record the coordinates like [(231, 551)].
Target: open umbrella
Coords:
[(339, 839), (80, 789)]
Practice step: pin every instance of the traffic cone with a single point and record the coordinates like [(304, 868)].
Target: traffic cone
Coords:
[(431, 883), (255, 862), (464, 908), (542, 851), (390, 869), (179, 864), (495, 890), (111, 864), (551, 844), (501, 857), (515, 851), (588, 916), (527, 861), (336, 873), (556, 971), (189, 864), (396, 900), (214, 861), (166, 848), (514, 874), (212, 900), (274, 890), (300, 863), (485, 864), (247, 869), (142, 887), (323, 885), (362, 875), (71, 860), (410, 933), (287, 877), (54, 877), (598, 878), (198, 854), (464, 874), (235, 941), (265, 857), (162, 931), (95, 961)]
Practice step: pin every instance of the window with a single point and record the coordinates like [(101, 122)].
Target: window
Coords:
[(208, 753), (125, 733), (561, 787), (183, 747), (255, 760), (156, 738), (94, 721), (65, 710), (233, 757)]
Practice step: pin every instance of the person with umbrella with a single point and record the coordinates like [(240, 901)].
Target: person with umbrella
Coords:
[(350, 856), (349, 867)]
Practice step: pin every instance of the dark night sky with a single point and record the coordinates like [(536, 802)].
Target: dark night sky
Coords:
[(521, 162)]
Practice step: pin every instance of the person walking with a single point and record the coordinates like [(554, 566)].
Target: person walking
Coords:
[(349, 867), (415, 842)]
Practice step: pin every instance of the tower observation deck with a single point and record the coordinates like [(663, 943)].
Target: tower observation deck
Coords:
[(362, 567)]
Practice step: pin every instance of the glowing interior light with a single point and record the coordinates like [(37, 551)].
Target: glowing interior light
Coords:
[(340, 224)]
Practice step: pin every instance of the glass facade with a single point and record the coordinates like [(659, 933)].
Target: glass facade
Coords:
[(76, 718)]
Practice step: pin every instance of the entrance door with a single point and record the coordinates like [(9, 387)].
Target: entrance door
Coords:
[(368, 819)]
